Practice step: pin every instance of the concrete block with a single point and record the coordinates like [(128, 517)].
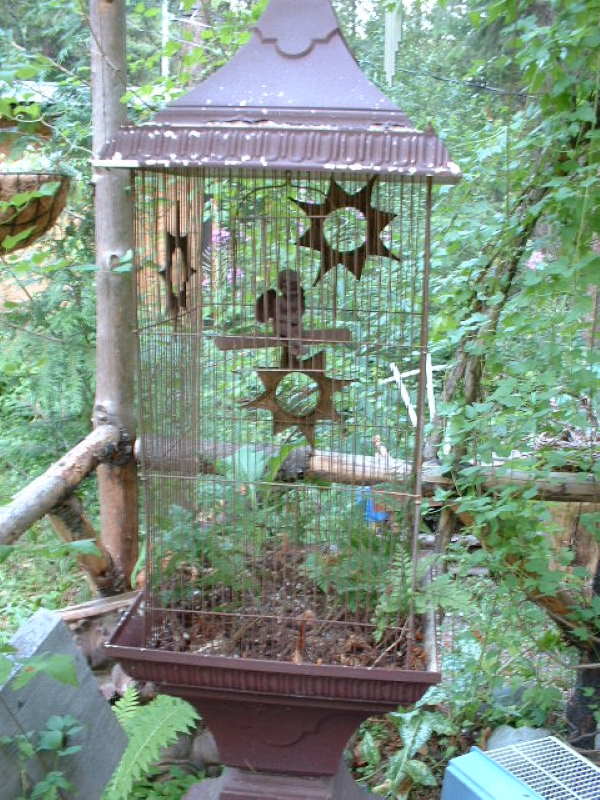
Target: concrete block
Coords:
[(102, 739)]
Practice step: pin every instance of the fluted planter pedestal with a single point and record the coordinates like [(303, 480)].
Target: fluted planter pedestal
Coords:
[(240, 784), (280, 728)]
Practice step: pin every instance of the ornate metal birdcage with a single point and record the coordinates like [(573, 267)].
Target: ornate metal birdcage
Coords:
[(282, 213)]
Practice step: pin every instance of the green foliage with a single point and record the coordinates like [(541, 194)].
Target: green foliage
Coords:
[(149, 728), (54, 742), (246, 464), (126, 708), (504, 665), (523, 555), (38, 573), (513, 90), (398, 597), (21, 199), (81, 547), (171, 786), (6, 664), (46, 396), (222, 553), (404, 771), (348, 568), (55, 665), (507, 666), (415, 728)]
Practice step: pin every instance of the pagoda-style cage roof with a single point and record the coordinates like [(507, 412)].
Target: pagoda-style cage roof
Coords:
[(292, 98)]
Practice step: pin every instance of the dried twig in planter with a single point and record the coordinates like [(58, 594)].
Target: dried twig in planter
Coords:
[(388, 649), (305, 619)]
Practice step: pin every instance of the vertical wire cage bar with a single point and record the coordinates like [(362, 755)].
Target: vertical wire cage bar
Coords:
[(271, 308)]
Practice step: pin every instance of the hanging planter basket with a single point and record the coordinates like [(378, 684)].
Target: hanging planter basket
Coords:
[(24, 219)]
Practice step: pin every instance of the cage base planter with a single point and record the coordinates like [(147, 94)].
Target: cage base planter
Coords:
[(240, 784), (282, 723)]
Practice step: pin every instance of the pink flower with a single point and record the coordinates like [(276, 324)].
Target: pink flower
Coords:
[(535, 260), (220, 236), (234, 275)]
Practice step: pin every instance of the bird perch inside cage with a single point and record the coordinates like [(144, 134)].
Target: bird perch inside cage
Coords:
[(295, 293)]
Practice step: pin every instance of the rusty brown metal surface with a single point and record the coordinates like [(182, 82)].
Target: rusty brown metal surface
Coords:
[(296, 60), (361, 152), (368, 688), (270, 716), (293, 97)]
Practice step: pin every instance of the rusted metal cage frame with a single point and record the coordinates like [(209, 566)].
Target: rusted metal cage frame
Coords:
[(421, 389)]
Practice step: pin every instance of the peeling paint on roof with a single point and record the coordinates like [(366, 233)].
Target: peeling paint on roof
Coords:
[(294, 98)]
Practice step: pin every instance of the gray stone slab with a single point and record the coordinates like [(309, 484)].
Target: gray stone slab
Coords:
[(102, 740), (506, 735)]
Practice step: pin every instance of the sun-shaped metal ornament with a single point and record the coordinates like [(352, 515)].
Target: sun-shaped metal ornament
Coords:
[(323, 410), (337, 198)]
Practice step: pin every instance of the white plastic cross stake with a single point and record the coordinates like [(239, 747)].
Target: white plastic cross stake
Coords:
[(429, 383), (397, 377), (411, 372), (412, 414)]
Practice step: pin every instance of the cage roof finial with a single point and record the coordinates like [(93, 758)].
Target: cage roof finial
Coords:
[(316, 23)]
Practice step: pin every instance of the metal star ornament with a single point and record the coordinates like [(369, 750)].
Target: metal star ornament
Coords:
[(324, 409), (337, 198), (178, 270)]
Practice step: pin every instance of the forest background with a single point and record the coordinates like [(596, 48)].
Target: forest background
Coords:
[(513, 89)]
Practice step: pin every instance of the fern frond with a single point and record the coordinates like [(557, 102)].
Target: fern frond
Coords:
[(127, 707), (150, 729)]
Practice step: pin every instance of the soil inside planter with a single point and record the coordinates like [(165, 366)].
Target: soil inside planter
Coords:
[(289, 618)]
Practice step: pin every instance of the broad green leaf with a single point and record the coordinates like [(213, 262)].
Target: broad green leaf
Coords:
[(27, 72), (246, 464), (5, 551), (370, 749), (275, 463), (6, 667), (57, 665), (9, 242), (420, 773), (83, 547), (50, 786), (50, 740), (69, 751)]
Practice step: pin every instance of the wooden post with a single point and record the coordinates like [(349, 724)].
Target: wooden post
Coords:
[(116, 348)]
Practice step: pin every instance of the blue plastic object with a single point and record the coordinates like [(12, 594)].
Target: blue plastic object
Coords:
[(475, 776), (364, 498)]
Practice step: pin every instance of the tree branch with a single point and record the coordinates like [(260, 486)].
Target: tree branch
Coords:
[(51, 488)]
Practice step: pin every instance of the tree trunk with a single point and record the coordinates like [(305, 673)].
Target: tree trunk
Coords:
[(71, 523), (583, 542), (116, 348), (583, 705)]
